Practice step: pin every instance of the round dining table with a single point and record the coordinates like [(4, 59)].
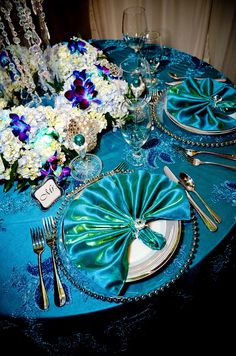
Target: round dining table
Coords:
[(190, 275)]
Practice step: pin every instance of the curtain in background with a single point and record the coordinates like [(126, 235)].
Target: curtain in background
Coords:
[(203, 28)]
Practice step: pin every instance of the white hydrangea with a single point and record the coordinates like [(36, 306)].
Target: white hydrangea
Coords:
[(29, 164), (50, 125), (10, 146), (3, 103)]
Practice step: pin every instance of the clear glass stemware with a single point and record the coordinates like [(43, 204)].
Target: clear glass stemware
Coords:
[(152, 52), (134, 27), (86, 165), (135, 129), (135, 71)]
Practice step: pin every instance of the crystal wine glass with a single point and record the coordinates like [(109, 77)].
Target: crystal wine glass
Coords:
[(135, 71), (86, 165), (152, 52), (135, 129), (134, 27)]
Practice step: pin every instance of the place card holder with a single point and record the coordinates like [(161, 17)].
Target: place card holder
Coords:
[(47, 193)]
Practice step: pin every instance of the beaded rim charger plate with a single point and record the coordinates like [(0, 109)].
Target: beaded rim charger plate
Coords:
[(196, 130), (143, 261), (150, 272), (164, 123)]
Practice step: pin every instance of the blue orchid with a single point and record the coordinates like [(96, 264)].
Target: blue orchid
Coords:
[(19, 127), (82, 91), (104, 70), (77, 45), (51, 167)]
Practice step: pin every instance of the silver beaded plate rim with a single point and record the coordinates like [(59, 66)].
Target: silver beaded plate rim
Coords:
[(187, 140), (120, 299)]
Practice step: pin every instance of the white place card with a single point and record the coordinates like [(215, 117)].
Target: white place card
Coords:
[(47, 193)]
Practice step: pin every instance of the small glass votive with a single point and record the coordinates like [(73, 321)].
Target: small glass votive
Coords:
[(86, 165)]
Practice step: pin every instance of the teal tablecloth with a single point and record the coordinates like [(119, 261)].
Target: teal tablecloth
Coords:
[(18, 212)]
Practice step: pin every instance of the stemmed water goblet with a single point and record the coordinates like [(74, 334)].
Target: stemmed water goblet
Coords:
[(135, 71), (152, 52), (135, 129), (134, 27)]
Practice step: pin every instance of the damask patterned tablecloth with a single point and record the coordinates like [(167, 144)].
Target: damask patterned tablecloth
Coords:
[(18, 211)]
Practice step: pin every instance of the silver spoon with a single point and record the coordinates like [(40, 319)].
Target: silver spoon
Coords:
[(188, 182)]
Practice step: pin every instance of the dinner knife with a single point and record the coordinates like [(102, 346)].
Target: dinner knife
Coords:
[(208, 222)]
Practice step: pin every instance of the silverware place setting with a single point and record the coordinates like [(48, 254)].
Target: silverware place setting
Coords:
[(38, 247), (59, 292), (205, 218), (198, 162), (189, 184), (38, 235), (182, 78), (189, 153)]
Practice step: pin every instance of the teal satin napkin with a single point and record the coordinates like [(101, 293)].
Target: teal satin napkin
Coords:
[(108, 215), (203, 104)]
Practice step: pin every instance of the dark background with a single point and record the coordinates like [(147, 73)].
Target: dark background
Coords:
[(197, 313), (67, 18)]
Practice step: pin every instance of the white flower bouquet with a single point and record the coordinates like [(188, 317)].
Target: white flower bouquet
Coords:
[(40, 112)]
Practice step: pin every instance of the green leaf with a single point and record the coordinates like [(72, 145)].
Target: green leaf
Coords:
[(5, 163), (110, 121), (70, 154), (13, 171), (57, 85), (8, 185), (22, 183)]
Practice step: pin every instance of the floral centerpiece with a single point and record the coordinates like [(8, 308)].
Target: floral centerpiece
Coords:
[(41, 111)]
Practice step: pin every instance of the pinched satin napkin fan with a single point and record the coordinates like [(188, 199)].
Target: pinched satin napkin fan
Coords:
[(204, 105), (108, 215)]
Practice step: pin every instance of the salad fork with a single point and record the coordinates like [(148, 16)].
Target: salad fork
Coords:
[(38, 247), (60, 295), (122, 166), (176, 77), (190, 152), (197, 162)]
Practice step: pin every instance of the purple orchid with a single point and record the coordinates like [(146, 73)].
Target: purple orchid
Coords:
[(19, 127), (82, 91), (64, 173), (104, 70), (77, 45), (51, 166)]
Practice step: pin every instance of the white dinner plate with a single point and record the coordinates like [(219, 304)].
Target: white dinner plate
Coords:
[(143, 261)]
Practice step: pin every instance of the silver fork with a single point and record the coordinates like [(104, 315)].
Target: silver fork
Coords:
[(181, 81), (176, 77), (122, 166), (60, 295), (38, 247), (190, 152), (197, 162)]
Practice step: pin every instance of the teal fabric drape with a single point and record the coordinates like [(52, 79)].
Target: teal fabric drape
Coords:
[(105, 218), (203, 104)]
